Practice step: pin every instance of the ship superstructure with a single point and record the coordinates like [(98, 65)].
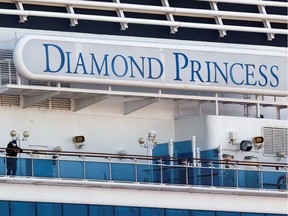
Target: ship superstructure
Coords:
[(144, 108)]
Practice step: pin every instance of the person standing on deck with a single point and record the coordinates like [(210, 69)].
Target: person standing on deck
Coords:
[(11, 151)]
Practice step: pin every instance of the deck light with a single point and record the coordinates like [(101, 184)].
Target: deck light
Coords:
[(19, 137), (150, 143)]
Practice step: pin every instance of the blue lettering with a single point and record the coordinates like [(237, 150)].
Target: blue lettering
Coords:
[(249, 74), (208, 72), (263, 75), (68, 62), (274, 75), (150, 60), (195, 71), (62, 58), (232, 76), (99, 69), (185, 64), (217, 68), (125, 65), (133, 62), (80, 63)]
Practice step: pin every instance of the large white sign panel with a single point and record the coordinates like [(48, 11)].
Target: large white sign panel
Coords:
[(130, 63)]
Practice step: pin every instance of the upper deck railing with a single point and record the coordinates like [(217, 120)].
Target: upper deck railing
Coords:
[(125, 14), (117, 168)]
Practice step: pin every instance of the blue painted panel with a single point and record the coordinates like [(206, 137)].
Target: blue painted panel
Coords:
[(194, 176), (97, 170), (174, 175), (224, 177), (126, 211), (48, 209), (275, 215), (203, 213), (123, 172), (183, 149), (144, 173), (211, 154), (43, 168), (4, 208), (152, 211), (274, 180), (23, 209), (75, 210), (2, 166), (100, 210), (161, 150), (227, 213), (178, 212), (249, 179), (71, 169), (149, 173), (252, 214)]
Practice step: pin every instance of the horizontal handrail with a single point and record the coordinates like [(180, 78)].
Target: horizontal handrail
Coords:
[(161, 10), (151, 158), (143, 169)]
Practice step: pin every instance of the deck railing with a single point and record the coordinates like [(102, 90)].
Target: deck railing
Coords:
[(149, 170), (124, 14)]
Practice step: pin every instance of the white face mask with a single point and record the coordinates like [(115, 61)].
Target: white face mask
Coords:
[(14, 144)]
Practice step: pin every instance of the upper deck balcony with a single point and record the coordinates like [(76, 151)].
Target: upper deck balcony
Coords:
[(165, 173)]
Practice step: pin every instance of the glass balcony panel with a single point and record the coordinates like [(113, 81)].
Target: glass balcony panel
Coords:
[(249, 178), (71, 169), (123, 172), (274, 180), (148, 173), (2, 166), (224, 177), (45, 168), (199, 176), (174, 174), (97, 170)]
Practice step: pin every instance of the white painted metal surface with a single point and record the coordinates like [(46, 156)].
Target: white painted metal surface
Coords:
[(117, 6)]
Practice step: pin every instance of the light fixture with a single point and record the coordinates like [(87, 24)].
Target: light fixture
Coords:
[(26, 134), (19, 137), (79, 141), (13, 133), (149, 143)]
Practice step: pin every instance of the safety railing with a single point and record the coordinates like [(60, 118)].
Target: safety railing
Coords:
[(149, 170), (125, 14)]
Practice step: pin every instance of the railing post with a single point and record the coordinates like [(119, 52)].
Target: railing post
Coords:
[(84, 168), (136, 169), (186, 172), (237, 175), (32, 165), (286, 178), (58, 167), (261, 177), (5, 164), (161, 171), (110, 168), (212, 183)]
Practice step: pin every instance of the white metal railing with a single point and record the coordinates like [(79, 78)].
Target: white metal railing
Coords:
[(170, 12), (150, 170)]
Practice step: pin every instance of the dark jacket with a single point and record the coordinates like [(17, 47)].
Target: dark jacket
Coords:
[(11, 150)]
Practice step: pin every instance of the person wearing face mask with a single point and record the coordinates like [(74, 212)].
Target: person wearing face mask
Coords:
[(11, 151)]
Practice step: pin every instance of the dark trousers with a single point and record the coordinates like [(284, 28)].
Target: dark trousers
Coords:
[(11, 166)]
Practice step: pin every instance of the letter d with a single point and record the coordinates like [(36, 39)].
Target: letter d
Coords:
[(61, 55)]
